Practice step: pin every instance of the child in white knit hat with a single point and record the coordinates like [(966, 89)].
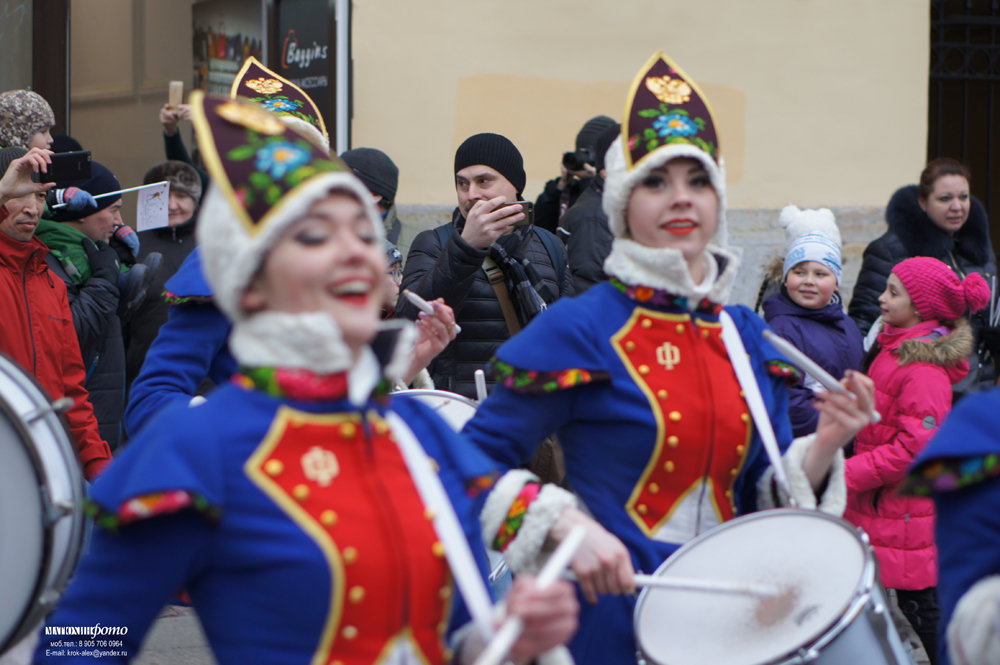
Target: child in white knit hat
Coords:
[(807, 311)]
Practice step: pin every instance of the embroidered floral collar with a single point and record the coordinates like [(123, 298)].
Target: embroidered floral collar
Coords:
[(293, 383), (647, 295)]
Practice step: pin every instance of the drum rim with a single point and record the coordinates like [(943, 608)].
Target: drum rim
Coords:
[(825, 636), (39, 397), (414, 392)]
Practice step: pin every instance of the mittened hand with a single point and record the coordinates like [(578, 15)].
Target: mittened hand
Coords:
[(124, 234), (103, 261), (74, 198)]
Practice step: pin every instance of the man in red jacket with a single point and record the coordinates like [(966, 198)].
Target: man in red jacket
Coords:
[(37, 330)]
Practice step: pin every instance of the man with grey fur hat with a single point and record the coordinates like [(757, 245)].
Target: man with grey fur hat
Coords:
[(494, 271)]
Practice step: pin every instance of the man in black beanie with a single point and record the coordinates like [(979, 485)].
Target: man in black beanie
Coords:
[(584, 228), (381, 176), (494, 270)]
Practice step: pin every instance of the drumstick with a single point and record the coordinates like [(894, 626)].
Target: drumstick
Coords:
[(424, 306), (718, 586), (496, 651), (480, 377), (811, 368)]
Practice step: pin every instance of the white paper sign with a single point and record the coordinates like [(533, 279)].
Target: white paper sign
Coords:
[(152, 209)]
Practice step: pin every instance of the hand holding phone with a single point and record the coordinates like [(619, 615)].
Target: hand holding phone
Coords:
[(528, 208)]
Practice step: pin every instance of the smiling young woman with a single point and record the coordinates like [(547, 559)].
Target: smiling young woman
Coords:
[(651, 417)]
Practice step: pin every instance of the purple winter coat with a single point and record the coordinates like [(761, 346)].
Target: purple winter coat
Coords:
[(826, 335)]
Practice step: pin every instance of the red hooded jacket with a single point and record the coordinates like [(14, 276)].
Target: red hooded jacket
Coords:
[(37, 333)]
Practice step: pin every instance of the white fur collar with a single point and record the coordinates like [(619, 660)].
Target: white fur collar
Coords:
[(311, 341), (665, 268)]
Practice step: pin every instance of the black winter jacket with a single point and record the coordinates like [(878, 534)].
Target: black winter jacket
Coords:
[(588, 237), (94, 305), (549, 202), (454, 271), (912, 233)]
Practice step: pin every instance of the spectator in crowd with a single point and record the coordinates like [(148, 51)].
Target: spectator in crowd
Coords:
[(584, 227), (26, 120), (381, 176), (90, 269), (173, 243), (575, 172), (37, 331), (494, 271)]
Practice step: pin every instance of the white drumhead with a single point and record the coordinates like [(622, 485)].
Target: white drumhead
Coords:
[(819, 562), (22, 532), (455, 409)]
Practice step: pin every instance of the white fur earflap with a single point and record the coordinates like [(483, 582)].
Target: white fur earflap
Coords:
[(974, 628), (524, 553), (834, 498), (619, 182)]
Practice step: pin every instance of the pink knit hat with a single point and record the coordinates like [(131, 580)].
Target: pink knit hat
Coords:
[(937, 292)]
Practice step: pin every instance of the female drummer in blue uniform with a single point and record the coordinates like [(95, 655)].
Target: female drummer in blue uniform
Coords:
[(292, 506), (634, 378)]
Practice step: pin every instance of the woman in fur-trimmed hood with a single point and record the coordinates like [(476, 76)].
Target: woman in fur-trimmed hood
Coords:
[(937, 218), (922, 351)]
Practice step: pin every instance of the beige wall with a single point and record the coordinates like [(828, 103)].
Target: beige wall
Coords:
[(123, 54), (820, 102)]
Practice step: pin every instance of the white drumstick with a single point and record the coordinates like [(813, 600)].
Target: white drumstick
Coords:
[(811, 368), (480, 377), (717, 586), (424, 306), (498, 648)]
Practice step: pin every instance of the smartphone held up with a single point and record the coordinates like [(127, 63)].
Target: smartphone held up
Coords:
[(527, 207)]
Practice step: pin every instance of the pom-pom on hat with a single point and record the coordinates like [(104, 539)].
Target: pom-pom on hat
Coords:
[(811, 235), (666, 117), (496, 152), (265, 176), (283, 98), (23, 113), (182, 177), (796, 222), (937, 292)]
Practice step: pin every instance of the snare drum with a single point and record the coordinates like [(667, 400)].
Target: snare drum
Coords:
[(455, 409), (832, 610), (41, 497)]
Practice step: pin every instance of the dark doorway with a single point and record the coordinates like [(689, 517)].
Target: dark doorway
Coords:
[(965, 94)]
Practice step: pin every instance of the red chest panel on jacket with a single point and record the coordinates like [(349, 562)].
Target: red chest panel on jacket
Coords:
[(343, 480), (703, 426)]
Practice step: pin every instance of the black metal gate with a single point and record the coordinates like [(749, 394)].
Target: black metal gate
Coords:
[(965, 94)]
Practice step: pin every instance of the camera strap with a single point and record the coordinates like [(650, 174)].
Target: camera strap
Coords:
[(495, 275)]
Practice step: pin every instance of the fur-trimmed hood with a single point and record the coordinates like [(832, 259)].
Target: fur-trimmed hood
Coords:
[(946, 350), (922, 237)]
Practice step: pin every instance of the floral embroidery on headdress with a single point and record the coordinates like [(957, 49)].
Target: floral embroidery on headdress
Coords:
[(666, 107), (259, 84)]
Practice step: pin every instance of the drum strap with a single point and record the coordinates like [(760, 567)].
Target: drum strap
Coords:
[(449, 530), (755, 401)]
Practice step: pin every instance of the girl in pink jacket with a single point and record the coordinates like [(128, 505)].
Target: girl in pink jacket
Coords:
[(922, 350)]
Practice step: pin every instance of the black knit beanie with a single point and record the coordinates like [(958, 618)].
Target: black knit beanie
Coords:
[(496, 152), (603, 142), (587, 137), (8, 155), (374, 168), (101, 181)]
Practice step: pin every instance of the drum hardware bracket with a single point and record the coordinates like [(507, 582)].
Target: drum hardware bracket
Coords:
[(61, 405), (808, 655), (55, 510)]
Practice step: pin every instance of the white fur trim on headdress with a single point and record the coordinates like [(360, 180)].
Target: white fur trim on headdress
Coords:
[(665, 268), (974, 628), (308, 131), (231, 256), (524, 553), (834, 498), (619, 182)]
